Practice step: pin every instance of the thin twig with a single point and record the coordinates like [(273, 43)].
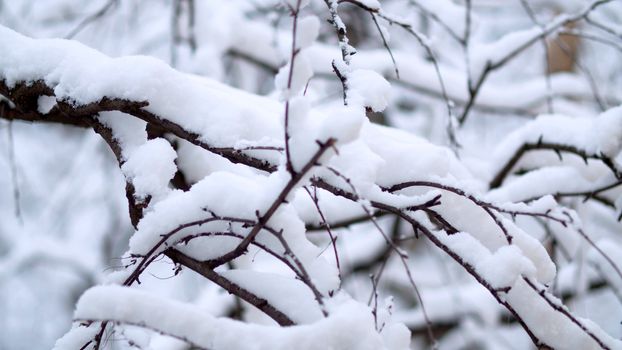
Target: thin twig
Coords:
[(292, 60), (91, 18)]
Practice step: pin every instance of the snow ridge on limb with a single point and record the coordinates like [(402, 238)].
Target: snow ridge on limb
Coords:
[(127, 306), (588, 138)]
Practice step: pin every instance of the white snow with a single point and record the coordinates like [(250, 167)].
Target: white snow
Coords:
[(503, 267), (554, 328), (301, 74), (602, 134), (349, 326), (129, 133), (370, 157), (368, 88), (307, 31), (611, 266), (139, 78), (290, 296), (45, 104), (150, 167)]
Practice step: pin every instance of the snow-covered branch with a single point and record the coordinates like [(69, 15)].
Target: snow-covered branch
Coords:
[(278, 215)]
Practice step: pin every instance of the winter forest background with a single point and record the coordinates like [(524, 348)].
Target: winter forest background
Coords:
[(353, 174)]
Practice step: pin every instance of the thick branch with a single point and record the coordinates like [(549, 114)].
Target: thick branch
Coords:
[(25, 97)]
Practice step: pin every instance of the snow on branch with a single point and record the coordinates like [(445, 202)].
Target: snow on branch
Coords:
[(133, 307), (228, 183)]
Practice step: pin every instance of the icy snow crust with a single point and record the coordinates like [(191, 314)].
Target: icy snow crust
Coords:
[(373, 157)]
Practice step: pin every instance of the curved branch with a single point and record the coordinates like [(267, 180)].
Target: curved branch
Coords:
[(246, 295), (497, 180), (25, 97)]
